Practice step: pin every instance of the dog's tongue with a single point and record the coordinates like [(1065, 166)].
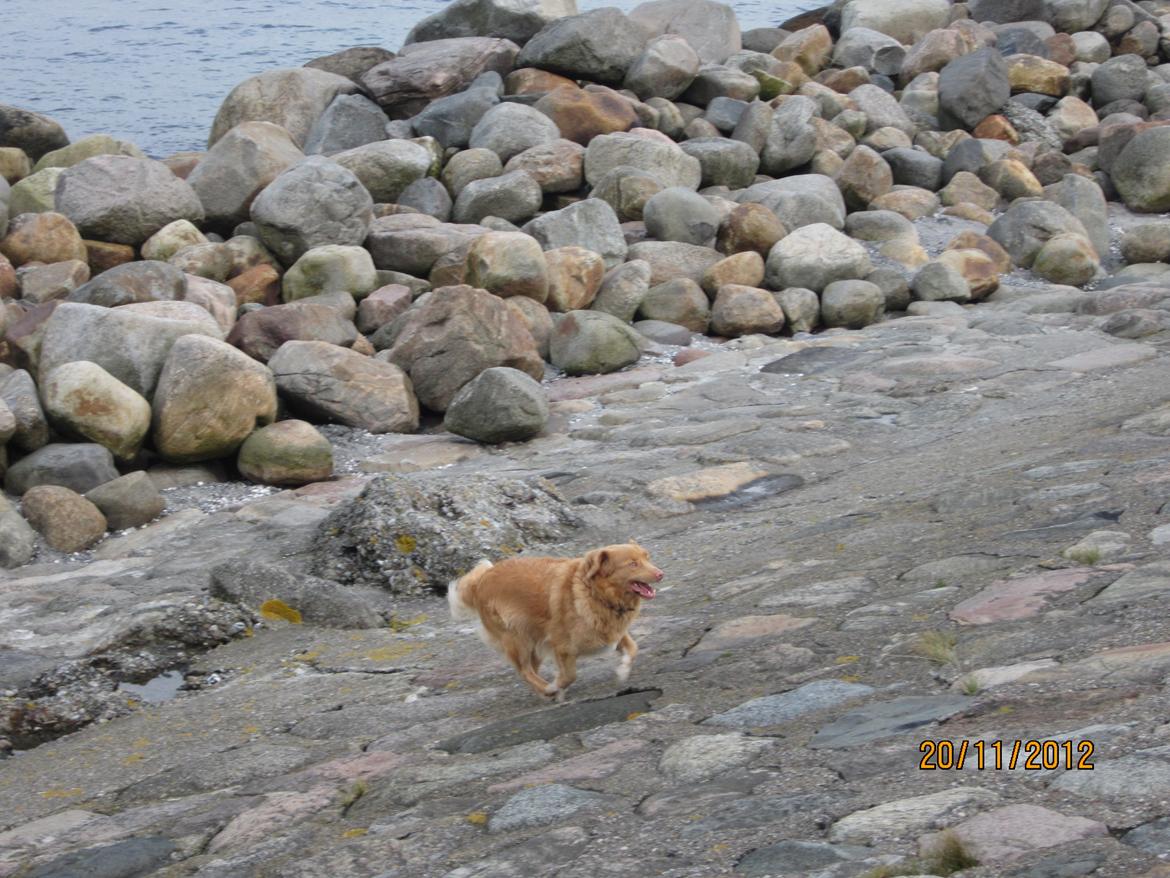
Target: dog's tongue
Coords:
[(643, 590)]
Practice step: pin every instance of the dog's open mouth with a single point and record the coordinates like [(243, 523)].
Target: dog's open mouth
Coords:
[(643, 589)]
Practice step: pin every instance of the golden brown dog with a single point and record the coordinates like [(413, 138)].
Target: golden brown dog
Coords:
[(531, 609)]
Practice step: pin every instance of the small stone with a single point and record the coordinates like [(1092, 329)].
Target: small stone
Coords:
[(744, 310), (772, 710), (702, 757), (543, 805), (287, 454), (79, 467), (852, 303), (67, 521), (131, 500)]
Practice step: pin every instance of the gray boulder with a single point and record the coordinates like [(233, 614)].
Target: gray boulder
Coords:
[(515, 20), (146, 281), (724, 162), (678, 214), (124, 200), (1083, 198), (600, 45), (623, 290), (665, 160), (315, 202), (349, 121), (18, 393), (428, 196), (1028, 224), (78, 466), (711, 28), (450, 120), (939, 282), (665, 69), (32, 132), (907, 21), (515, 197), (871, 49), (18, 541), (261, 333), (498, 405), (792, 139), (131, 500), (591, 224), (1142, 171), (971, 88), (292, 98), (315, 601), (592, 342), (509, 129), (386, 168), (415, 534), (852, 303), (800, 200), (352, 62), (914, 167), (1121, 78), (813, 257)]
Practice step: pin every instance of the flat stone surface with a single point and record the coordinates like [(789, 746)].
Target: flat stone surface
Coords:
[(588, 766), (1011, 599), (885, 718), (704, 756), (542, 805), (772, 710), (1119, 778), (909, 815), (707, 484), (1149, 583), (1111, 357), (749, 628), (794, 858), (1008, 832)]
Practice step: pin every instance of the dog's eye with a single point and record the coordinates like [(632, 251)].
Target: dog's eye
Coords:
[(633, 563)]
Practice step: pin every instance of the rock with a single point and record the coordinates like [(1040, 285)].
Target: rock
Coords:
[(702, 757), (665, 69), (315, 601), (237, 168), (468, 166), (1141, 172), (386, 168), (979, 270), (852, 303), (541, 805), (749, 228), (664, 333), (85, 400), (881, 719), (146, 281), (971, 88), (19, 395), (36, 193), (709, 27), (351, 63), (508, 264), (44, 283), (1121, 78), (210, 398), (808, 857), (428, 196), (939, 281), (662, 158), (772, 710), (1006, 833), (1018, 598), (425, 71), (600, 46), (498, 405), (79, 467), (904, 816), (802, 308), (450, 120), (123, 199), (131, 500), (414, 536), (348, 122), (292, 98), (881, 110), (744, 269), (32, 132), (333, 384), (451, 335), (170, 239), (680, 301), (381, 307), (907, 23), (592, 342), (313, 203), (259, 334), (1026, 226), (67, 521), (517, 22), (1146, 243), (1011, 179), (627, 190), (591, 224), (623, 289), (791, 140), (515, 197), (679, 214), (411, 244), (864, 177), (17, 539), (286, 454), (581, 115), (814, 256), (41, 237), (88, 148), (742, 310), (574, 277), (723, 162), (1034, 75), (509, 129), (130, 346), (1068, 259), (557, 167), (1084, 199), (330, 269)]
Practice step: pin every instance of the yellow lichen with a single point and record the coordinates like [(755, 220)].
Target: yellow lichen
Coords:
[(402, 624), (354, 833), (132, 758), (389, 653), (59, 793), (405, 543), (278, 609), (847, 659), (477, 818), (634, 715)]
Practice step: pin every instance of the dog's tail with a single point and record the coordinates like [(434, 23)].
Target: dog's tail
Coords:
[(457, 594)]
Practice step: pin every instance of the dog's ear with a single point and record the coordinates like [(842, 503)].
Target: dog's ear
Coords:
[(634, 542), (596, 563)]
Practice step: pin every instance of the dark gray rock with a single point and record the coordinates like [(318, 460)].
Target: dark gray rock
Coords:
[(679, 214), (517, 22), (515, 197), (450, 120), (415, 534), (318, 601), (509, 129), (352, 63), (971, 88), (19, 393), (350, 121), (914, 167), (775, 709), (131, 500), (600, 45), (18, 543), (542, 805), (591, 224), (1027, 225), (32, 132), (1152, 837), (725, 162), (123, 859), (1121, 78), (795, 858), (79, 466), (146, 281), (1008, 10), (427, 195), (498, 405), (883, 719)]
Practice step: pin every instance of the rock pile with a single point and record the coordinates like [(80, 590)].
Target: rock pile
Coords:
[(368, 235)]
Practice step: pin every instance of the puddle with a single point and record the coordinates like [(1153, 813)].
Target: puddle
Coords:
[(156, 690), (752, 492)]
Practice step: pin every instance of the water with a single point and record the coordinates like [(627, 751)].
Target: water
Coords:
[(155, 71)]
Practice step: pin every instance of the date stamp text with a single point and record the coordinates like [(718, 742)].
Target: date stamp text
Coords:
[(996, 755)]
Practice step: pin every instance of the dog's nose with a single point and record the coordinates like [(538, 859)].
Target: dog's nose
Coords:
[(658, 574)]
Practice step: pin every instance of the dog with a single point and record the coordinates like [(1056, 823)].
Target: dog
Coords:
[(532, 609)]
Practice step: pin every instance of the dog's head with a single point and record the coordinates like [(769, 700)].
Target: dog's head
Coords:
[(623, 570)]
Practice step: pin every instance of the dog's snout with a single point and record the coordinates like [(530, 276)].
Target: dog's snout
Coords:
[(658, 574)]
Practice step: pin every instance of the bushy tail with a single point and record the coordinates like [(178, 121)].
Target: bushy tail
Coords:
[(462, 611)]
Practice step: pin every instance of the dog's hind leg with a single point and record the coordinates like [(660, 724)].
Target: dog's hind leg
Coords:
[(521, 659), (628, 648), (566, 672)]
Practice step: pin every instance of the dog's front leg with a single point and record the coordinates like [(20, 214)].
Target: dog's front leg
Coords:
[(628, 648), (566, 672)]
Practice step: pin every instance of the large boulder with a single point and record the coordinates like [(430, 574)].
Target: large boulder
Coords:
[(971, 88), (509, 129), (424, 71), (498, 405), (657, 155), (42, 237), (386, 168), (352, 62), (85, 400), (315, 202), (77, 466), (259, 334), (210, 398), (36, 193), (333, 384), (32, 132), (131, 346), (813, 257), (711, 28), (88, 148), (286, 454), (591, 224), (623, 289), (1028, 224), (600, 45), (124, 200), (580, 115), (414, 534), (592, 342), (792, 139), (907, 21), (145, 281), (350, 121), (240, 164), (131, 500), (330, 269), (18, 541), (515, 20), (454, 333), (724, 162), (574, 277), (450, 120), (508, 264), (67, 521), (291, 98), (679, 214), (800, 200), (741, 310), (514, 197), (411, 243), (1083, 198), (1142, 171), (665, 69), (674, 259)]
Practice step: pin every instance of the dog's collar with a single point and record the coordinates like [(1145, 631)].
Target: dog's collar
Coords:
[(616, 608)]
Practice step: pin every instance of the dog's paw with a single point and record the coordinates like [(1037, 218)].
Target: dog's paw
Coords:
[(623, 670), (551, 690)]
